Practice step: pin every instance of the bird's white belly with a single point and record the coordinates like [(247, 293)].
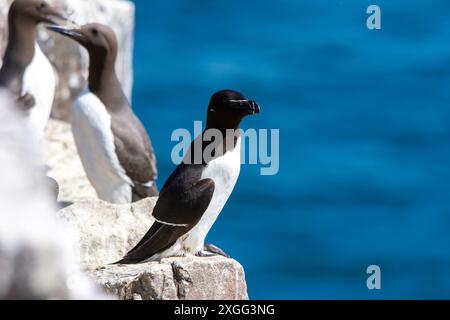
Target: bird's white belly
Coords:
[(225, 172), (91, 127), (39, 80)]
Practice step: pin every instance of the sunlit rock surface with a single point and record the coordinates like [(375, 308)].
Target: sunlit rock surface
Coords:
[(191, 278), (106, 232)]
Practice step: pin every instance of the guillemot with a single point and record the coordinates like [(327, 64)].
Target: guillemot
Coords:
[(196, 192), (26, 71), (113, 145)]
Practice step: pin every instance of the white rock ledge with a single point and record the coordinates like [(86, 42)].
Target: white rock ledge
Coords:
[(105, 232), (190, 278)]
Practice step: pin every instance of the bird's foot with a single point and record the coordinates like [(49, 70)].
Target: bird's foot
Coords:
[(215, 250), (204, 254)]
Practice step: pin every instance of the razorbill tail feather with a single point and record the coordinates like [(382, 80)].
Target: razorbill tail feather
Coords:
[(113, 145), (26, 71), (196, 192)]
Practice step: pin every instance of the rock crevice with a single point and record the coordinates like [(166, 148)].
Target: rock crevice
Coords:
[(182, 279)]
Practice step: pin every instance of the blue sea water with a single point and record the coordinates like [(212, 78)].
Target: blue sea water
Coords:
[(365, 137)]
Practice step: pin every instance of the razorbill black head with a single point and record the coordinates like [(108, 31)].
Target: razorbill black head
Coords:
[(227, 108)]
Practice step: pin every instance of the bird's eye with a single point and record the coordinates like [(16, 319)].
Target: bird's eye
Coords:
[(43, 5), (95, 32)]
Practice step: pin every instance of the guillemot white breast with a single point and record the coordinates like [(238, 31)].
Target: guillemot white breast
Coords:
[(26, 71), (113, 145)]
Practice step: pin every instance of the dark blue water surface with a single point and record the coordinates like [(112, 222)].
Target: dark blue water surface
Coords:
[(364, 119)]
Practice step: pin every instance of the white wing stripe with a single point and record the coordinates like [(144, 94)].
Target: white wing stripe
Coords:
[(171, 224)]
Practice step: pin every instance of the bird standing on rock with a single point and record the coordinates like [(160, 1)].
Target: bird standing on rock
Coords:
[(196, 192), (113, 145), (26, 71)]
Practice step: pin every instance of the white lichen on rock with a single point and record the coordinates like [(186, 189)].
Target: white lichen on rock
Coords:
[(106, 232)]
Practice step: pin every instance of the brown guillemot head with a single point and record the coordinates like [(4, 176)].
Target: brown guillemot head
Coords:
[(101, 43), (98, 39), (34, 11)]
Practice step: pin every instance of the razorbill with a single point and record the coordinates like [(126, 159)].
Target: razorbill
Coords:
[(194, 195), (113, 145), (26, 71)]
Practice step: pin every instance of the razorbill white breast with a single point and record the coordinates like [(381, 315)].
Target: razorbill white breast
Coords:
[(196, 192)]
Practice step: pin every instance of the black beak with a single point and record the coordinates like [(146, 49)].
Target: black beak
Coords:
[(249, 106), (254, 107), (74, 34)]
